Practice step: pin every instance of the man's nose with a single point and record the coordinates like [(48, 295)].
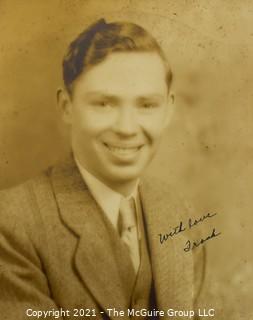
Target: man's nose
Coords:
[(126, 122)]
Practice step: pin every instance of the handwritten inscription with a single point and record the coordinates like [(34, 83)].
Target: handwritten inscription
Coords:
[(181, 227), (176, 230), (194, 222), (190, 245)]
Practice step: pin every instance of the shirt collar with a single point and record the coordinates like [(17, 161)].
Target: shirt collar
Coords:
[(107, 199)]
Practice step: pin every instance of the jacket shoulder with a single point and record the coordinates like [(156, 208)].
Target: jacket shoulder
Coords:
[(19, 203)]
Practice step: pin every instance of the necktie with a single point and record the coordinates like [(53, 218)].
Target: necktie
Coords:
[(128, 229)]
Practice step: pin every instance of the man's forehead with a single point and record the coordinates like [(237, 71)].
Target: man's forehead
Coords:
[(139, 73)]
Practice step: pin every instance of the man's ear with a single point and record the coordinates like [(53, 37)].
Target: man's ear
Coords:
[(170, 109), (64, 104)]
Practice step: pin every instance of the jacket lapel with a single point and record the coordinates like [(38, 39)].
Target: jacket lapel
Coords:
[(172, 267), (94, 256)]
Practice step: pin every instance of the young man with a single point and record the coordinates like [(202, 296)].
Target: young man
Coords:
[(83, 238)]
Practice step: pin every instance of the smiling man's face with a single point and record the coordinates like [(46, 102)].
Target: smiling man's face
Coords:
[(118, 112)]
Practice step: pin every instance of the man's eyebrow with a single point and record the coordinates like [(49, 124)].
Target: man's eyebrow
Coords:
[(100, 94)]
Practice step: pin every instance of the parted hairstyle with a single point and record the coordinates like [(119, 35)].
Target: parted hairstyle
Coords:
[(99, 40)]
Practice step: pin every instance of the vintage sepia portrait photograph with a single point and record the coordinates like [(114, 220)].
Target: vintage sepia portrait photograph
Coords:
[(126, 166)]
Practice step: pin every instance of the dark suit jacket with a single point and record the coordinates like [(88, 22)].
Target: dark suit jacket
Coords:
[(55, 251)]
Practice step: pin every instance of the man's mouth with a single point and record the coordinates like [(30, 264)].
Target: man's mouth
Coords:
[(123, 150)]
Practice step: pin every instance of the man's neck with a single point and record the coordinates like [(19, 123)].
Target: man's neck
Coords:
[(125, 189)]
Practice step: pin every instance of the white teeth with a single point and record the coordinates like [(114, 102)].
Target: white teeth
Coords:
[(122, 151)]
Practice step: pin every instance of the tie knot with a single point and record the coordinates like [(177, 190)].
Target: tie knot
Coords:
[(127, 217)]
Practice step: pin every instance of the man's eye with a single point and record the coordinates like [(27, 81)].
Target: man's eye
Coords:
[(101, 104), (149, 105)]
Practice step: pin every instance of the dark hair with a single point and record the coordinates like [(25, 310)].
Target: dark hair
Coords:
[(100, 39)]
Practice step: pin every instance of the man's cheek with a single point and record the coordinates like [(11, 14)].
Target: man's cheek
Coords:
[(153, 131)]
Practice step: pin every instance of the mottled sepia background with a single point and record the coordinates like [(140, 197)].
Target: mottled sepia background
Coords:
[(208, 149)]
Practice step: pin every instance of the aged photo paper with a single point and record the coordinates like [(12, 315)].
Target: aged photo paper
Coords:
[(61, 255)]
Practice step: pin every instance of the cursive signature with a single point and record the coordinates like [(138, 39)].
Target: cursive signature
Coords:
[(174, 231), (194, 244), (194, 222), (181, 227)]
